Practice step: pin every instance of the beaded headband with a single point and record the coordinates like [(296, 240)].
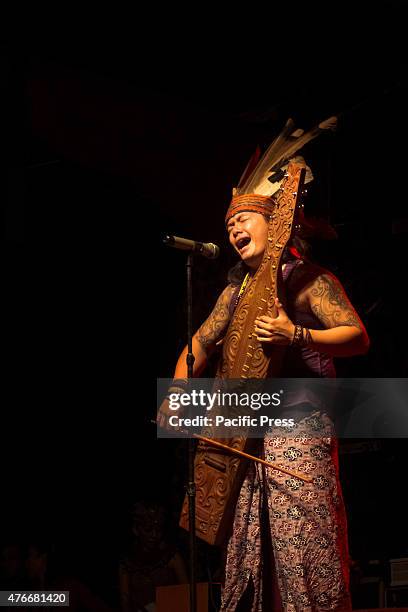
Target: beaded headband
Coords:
[(250, 202)]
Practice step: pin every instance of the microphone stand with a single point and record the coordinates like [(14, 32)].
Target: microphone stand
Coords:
[(191, 488), (209, 250)]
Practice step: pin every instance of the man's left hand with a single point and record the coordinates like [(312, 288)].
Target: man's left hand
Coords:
[(275, 331)]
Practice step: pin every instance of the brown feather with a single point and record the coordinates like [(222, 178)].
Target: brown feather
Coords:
[(250, 167)]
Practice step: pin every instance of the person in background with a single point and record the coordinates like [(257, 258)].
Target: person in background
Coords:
[(151, 560)]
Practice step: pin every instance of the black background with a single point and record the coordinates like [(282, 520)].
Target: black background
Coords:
[(121, 129)]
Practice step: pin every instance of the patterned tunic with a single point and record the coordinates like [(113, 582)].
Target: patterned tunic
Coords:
[(287, 532)]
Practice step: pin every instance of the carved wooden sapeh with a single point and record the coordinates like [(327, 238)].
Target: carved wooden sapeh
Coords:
[(218, 474)]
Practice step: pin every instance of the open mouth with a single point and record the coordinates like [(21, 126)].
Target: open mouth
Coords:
[(243, 242)]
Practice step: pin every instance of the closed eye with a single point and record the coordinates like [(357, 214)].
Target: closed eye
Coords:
[(239, 219)]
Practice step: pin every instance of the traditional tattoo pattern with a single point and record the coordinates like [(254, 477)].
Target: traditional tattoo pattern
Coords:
[(330, 304), (212, 329)]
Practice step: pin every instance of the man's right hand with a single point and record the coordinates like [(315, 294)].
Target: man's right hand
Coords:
[(163, 415)]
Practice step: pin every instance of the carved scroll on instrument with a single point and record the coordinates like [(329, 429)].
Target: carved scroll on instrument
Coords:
[(218, 474)]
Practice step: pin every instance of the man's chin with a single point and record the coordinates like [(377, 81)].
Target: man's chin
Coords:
[(252, 261)]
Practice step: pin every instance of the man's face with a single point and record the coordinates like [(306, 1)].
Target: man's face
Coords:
[(248, 233)]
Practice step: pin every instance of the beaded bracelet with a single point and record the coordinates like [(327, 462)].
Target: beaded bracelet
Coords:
[(301, 337), (297, 336), (179, 386), (174, 389), (182, 383)]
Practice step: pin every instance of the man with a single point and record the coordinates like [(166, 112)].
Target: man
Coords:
[(286, 533)]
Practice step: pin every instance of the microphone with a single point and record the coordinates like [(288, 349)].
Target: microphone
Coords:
[(208, 249)]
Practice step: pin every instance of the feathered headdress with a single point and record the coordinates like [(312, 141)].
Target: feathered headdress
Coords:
[(263, 176)]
